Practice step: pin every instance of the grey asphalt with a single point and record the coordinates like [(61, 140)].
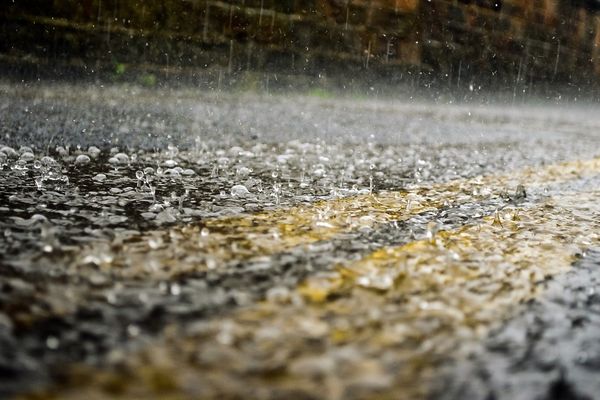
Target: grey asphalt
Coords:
[(548, 350)]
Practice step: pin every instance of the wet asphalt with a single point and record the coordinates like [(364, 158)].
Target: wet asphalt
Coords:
[(548, 350), (287, 150)]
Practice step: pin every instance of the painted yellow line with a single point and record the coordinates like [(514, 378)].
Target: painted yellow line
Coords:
[(165, 253), (373, 329)]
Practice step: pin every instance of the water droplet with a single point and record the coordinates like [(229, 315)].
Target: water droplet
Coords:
[(27, 156), (93, 151), (432, 229), (175, 289), (62, 151), (9, 152), (48, 161), (243, 172), (82, 159), (211, 263), (520, 193), (39, 183), (20, 165), (188, 172), (99, 178), (52, 343), (155, 242), (239, 191), (133, 330)]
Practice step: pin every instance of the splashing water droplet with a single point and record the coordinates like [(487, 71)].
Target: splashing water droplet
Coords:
[(432, 229), (239, 191), (82, 159)]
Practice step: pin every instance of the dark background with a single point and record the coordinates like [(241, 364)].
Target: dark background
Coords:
[(518, 46)]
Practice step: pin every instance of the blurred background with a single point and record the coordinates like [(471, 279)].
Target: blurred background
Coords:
[(520, 48)]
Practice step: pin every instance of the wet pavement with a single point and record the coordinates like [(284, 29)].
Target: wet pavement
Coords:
[(548, 350), (209, 245)]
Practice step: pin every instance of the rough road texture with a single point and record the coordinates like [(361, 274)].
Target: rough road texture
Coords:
[(550, 350), (104, 251)]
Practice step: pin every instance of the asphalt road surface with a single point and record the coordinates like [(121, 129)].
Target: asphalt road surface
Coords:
[(178, 244)]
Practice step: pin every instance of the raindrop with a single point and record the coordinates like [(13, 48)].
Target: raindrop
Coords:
[(188, 172), (155, 242), (39, 183), (20, 165), (82, 159), (62, 151), (432, 229), (93, 151), (99, 178), (9, 152), (175, 289), (52, 342), (243, 172), (48, 161), (27, 156), (239, 191), (133, 330), (520, 193)]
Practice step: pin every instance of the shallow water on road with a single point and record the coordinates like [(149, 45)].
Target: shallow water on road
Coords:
[(350, 257)]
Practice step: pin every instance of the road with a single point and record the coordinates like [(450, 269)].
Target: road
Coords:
[(169, 243)]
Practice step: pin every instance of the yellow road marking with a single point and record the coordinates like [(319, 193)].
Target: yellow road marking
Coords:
[(377, 328), (162, 254)]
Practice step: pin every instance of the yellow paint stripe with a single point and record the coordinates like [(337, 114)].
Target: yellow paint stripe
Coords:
[(357, 339), (164, 253)]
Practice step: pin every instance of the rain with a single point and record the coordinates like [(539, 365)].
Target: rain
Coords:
[(329, 199)]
